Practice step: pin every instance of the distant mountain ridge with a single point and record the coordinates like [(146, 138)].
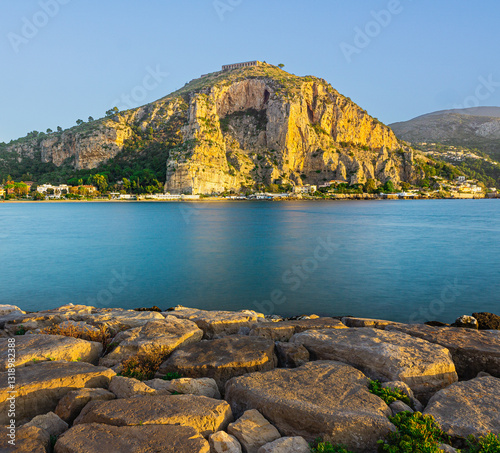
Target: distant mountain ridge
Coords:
[(477, 127)]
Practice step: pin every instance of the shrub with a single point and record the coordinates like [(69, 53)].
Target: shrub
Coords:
[(416, 433), (171, 376), (144, 366), (326, 447), (485, 444), (21, 330), (388, 395), (103, 335)]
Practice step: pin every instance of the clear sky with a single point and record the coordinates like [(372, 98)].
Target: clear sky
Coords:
[(62, 60)]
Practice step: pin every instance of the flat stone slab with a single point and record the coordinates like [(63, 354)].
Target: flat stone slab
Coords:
[(284, 330), (472, 351), (28, 439), (33, 348), (319, 399), (217, 323), (468, 408), (367, 322), (388, 356), (222, 359), (95, 437), (39, 387), (166, 334), (206, 415)]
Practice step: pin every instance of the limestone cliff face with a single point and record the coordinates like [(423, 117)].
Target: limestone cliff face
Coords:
[(245, 128)]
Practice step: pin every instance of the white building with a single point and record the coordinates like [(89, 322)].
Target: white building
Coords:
[(57, 190)]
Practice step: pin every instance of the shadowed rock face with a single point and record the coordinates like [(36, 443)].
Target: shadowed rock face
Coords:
[(472, 351), (131, 439), (40, 386), (468, 408), (222, 359), (388, 356), (320, 399), (207, 415)]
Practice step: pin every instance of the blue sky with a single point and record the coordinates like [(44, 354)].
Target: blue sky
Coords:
[(62, 60)]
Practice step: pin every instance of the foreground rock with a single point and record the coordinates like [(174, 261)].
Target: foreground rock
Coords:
[(50, 422), (320, 399), (472, 351), (283, 331), (199, 412), (9, 313), (100, 438), (73, 402), (33, 348), (222, 359), (222, 442), (468, 408), (253, 431), (124, 387), (217, 323), (291, 355), (201, 387), (388, 356), (162, 335), (286, 445), (28, 439), (39, 387)]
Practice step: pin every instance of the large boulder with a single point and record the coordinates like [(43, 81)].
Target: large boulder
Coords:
[(187, 386), (222, 359), (291, 355), (253, 431), (468, 408), (217, 323), (206, 415), (222, 442), (283, 331), (73, 402), (472, 351), (39, 387), (50, 422), (125, 387), (487, 321), (286, 445), (10, 313), (165, 335), (95, 437), (388, 356), (33, 348), (323, 399), (26, 439)]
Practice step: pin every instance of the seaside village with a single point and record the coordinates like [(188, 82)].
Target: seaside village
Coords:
[(438, 188)]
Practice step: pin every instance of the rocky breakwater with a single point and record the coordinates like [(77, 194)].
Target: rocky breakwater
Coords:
[(88, 379)]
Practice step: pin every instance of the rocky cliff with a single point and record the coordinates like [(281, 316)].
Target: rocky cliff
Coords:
[(245, 128)]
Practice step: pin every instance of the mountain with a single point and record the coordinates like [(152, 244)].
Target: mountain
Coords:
[(242, 128), (477, 127)]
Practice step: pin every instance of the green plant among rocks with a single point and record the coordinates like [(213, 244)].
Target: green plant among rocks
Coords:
[(389, 395), (326, 447), (144, 366), (416, 433), (21, 330), (485, 444), (172, 376)]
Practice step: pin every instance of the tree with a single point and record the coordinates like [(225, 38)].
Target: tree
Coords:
[(49, 131), (370, 186), (91, 119), (112, 111), (101, 182), (79, 122), (281, 66), (59, 129), (21, 189), (389, 187)]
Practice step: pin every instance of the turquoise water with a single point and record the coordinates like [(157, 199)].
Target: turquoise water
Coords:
[(398, 260)]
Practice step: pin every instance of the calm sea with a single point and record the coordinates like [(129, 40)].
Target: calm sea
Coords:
[(398, 260)]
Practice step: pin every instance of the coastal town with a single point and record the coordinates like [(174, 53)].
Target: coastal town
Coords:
[(438, 187)]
